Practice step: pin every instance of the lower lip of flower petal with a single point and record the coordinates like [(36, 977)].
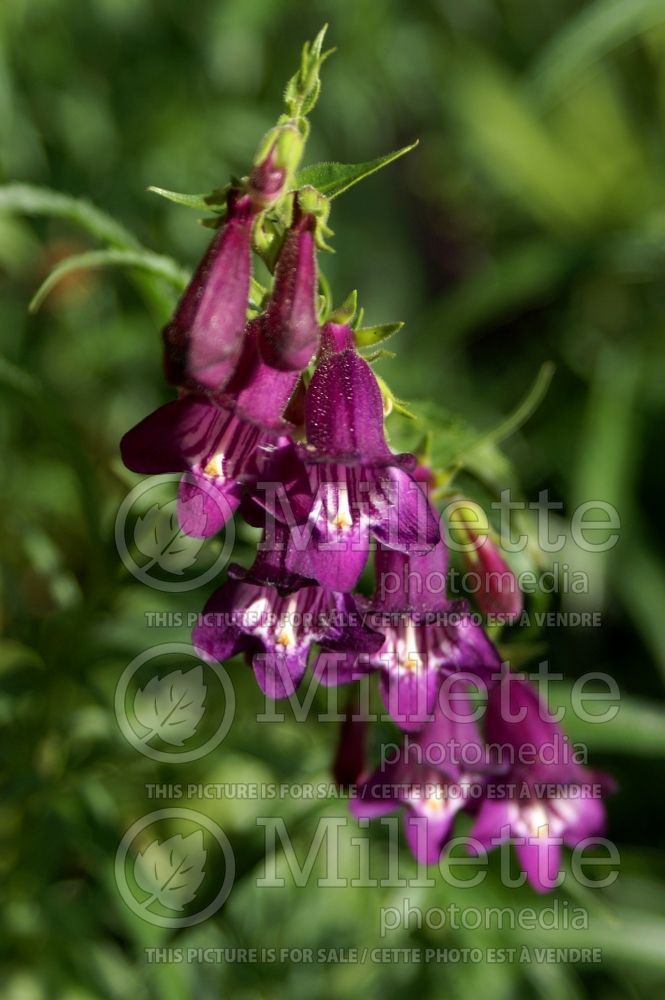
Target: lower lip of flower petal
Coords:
[(234, 451)]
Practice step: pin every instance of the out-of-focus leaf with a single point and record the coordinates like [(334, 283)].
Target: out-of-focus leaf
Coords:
[(12, 375), (14, 655), (159, 536), (453, 443), (641, 587), (510, 144), (333, 179), (47, 560), (638, 728), (526, 408), (627, 937), (142, 260), (171, 707), (511, 282), (603, 469), (32, 200), (173, 870), (590, 34)]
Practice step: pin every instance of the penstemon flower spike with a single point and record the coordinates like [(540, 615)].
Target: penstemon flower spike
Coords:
[(280, 420)]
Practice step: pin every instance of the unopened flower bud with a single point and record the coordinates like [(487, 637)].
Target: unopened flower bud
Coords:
[(203, 340), (275, 165), (289, 328), (496, 589)]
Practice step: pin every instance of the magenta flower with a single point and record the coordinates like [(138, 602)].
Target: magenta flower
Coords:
[(216, 440), (430, 780), (289, 330), (426, 637), (276, 620), (348, 483), (497, 590), (543, 800), (203, 340)]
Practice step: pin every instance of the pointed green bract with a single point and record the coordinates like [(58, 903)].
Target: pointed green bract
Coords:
[(333, 179), (302, 91), (368, 336), (215, 201)]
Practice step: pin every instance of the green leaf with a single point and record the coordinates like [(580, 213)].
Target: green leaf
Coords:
[(14, 377), (31, 200), (637, 729), (480, 453), (456, 444), (368, 336), (641, 587), (526, 408), (333, 179), (171, 706), (608, 439), (514, 280), (144, 260), (215, 201), (586, 38), (171, 871)]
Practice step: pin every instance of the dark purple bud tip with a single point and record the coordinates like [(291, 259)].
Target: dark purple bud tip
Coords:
[(266, 181), (203, 340), (289, 328)]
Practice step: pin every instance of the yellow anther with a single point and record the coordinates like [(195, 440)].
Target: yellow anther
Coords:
[(215, 467), (343, 520)]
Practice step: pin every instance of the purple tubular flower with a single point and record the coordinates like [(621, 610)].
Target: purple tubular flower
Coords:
[(545, 803), (215, 440), (430, 780), (499, 591), (426, 637), (257, 613), (204, 338), (354, 483), (289, 336)]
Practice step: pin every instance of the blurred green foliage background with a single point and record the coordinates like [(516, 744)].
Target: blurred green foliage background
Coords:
[(528, 226)]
